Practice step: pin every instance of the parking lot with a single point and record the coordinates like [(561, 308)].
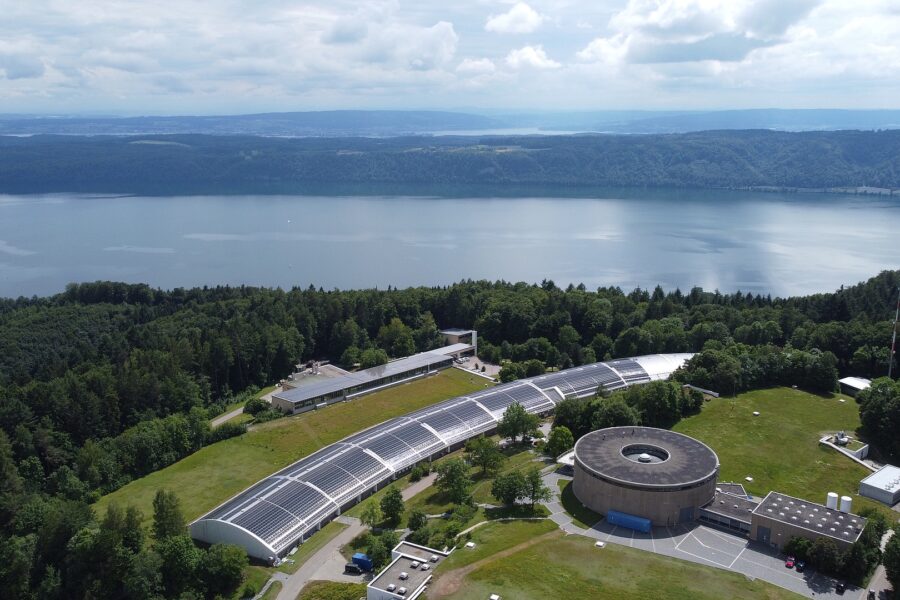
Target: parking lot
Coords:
[(705, 545), (709, 546)]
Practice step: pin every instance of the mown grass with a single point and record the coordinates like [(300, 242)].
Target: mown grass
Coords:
[(332, 590), (571, 567), (272, 592), (780, 448), (210, 476), (494, 537)]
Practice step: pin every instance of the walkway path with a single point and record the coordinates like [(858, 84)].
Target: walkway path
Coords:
[(226, 417)]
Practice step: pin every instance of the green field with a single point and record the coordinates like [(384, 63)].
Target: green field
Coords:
[(210, 476), (331, 590), (780, 448), (509, 561)]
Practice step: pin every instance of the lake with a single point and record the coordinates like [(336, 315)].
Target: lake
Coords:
[(773, 243)]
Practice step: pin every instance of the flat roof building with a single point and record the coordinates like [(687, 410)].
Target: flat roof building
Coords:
[(408, 574), (350, 385), (780, 517), (882, 485)]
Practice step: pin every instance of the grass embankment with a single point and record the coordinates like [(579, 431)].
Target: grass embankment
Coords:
[(780, 448), (509, 561), (272, 592), (210, 476), (331, 590)]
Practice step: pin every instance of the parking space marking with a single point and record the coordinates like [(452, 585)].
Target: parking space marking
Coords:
[(631, 541), (609, 535), (785, 571), (703, 558), (725, 537), (737, 557), (653, 543)]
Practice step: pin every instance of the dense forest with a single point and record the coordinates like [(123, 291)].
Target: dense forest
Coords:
[(213, 164), (107, 382)]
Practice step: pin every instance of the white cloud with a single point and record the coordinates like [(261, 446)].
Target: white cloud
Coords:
[(521, 18), (530, 57), (476, 65), (676, 31)]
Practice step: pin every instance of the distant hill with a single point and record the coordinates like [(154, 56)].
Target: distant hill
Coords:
[(242, 164), (320, 123), (396, 123)]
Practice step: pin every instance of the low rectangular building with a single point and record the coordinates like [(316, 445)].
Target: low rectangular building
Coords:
[(780, 517), (408, 574), (882, 485), (730, 509), (350, 385)]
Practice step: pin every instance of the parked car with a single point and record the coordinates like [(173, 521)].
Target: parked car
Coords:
[(840, 587), (871, 595), (800, 566), (352, 569), (789, 563)]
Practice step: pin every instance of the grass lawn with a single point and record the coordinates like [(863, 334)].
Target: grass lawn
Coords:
[(331, 590), (272, 592), (780, 448), (494, 537), (255, 578), (561, 566), (581, 516), (210, 476)]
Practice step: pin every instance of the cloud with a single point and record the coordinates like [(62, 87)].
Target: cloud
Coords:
[(140, 249), (477, 66), (7, 248), (530, 57), (521, 18), (20, 66), (675, 31)]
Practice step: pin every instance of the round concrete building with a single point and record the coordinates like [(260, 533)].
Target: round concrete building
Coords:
[(655, 474)]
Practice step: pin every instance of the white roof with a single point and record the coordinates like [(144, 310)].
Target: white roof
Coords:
[(450, 349), (856, 382), (886, 478), (660, 366)]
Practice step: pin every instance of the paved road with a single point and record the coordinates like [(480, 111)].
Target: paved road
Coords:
[(226, 417), (328, 562)]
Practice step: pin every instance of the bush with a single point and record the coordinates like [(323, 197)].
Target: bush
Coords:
[(419, 471), (224, 431), (255, 406)]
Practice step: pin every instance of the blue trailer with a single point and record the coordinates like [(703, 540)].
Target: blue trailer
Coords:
[(627, 521), (362, 561)]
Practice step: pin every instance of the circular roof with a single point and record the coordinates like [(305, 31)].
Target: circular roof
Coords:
[(613, 454)]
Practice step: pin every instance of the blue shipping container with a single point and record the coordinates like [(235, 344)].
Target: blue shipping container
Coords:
[(628, 521), (362, 561)]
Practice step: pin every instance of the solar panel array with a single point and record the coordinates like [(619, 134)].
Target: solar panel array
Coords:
[(287, 505)]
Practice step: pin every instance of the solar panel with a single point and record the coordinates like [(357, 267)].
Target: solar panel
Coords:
[(281, 508)]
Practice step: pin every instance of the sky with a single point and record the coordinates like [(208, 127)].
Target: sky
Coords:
[(244, 56)]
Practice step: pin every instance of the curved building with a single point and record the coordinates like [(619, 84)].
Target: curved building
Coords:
[(659, 475), (272, 516)]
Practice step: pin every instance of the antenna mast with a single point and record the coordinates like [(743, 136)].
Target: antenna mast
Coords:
[(894, 337)]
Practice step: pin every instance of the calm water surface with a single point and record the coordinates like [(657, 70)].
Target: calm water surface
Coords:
[(779, 244)]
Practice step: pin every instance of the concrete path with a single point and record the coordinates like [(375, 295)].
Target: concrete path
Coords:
[(328, 562), (226, 417)]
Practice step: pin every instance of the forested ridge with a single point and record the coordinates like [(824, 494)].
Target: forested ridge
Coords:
[(219, 164), (108, 381)]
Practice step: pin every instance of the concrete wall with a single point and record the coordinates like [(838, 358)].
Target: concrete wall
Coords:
[(781, 532), (662, 507), (876, 493)]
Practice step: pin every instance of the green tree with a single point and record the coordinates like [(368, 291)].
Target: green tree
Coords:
[(891, 560), (396, 338), (417, 519), (484, 452), (167, 518), (516, 421), (560, 440), (371, 514), (372, 357), (181, 561), (613, 412), (534, 489), (392, 505), (511, 372), (509, 487), (222, 569), (453, 480), (825, 556), (377, 551)]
